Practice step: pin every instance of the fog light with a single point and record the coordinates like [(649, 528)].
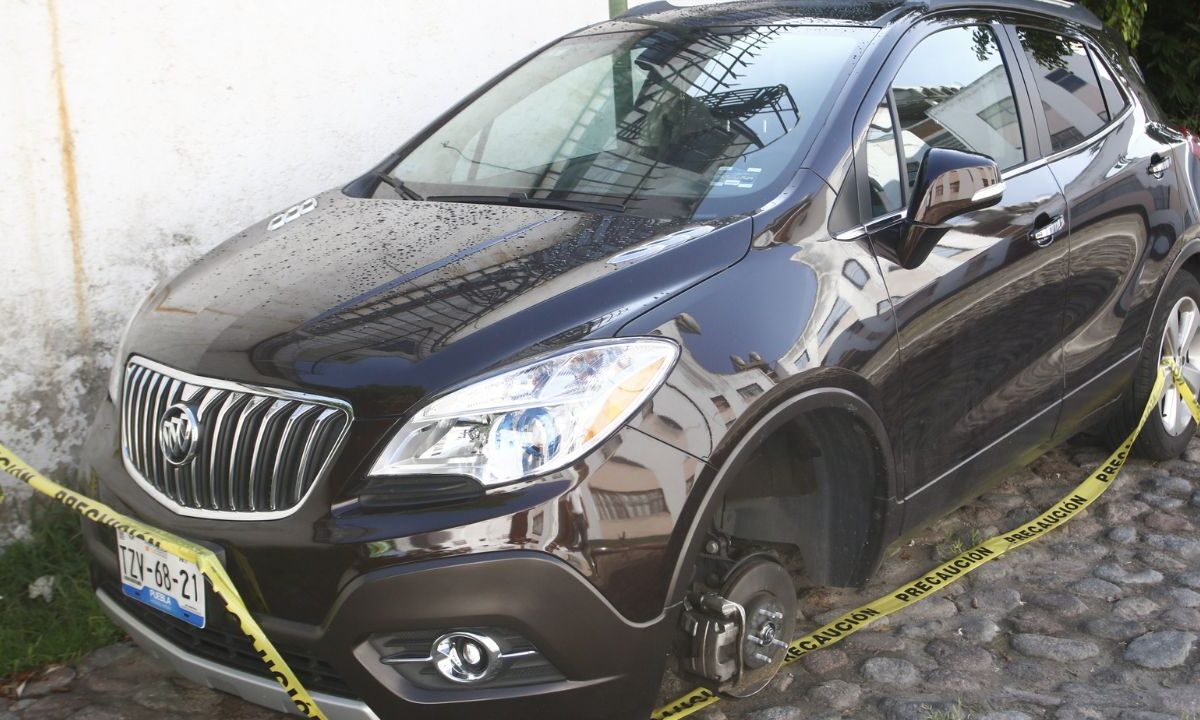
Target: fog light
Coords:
[(464, 657)]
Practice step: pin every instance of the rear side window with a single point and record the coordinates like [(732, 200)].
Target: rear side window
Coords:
[(1113, 97), (1072, 98), (954, 92)]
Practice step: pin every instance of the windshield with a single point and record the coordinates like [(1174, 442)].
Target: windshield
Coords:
[(670, 122)]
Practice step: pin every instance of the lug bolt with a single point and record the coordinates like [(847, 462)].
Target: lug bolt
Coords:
[(761, 658), (773, 642)]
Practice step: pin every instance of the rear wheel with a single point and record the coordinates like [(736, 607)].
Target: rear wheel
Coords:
[(1174, 332)]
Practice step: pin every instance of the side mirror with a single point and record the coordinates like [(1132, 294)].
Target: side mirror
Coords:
[(950, 183)]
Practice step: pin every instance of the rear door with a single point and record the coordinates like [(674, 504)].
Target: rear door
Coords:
[(1118, 169), (980, 321)]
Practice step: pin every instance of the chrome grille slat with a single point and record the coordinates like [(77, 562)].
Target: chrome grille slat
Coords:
[(310, 445), (260, 450), (138, 419), (221, 431), (187, 473), (204, 496), (130, 387), (239, 454), (173, 393), (259, 482), (154, 410), (286, 454)]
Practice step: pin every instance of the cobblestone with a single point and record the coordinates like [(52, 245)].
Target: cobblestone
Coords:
[(1054, 648), (835, 695), (890, 671), (1158, 650), (1059, 603), (1134, 607), (1114, 573), (978, 630), (1099, 619), (1114, 629), (1095, 588)]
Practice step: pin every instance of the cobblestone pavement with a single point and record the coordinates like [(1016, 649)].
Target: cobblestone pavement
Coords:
[(1098, 619)]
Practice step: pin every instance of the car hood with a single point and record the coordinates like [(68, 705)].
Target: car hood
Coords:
[(384, 302)]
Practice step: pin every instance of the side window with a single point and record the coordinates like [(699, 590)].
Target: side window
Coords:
[(954, 92), (1113, 97), (1071, 95), (883, 163)]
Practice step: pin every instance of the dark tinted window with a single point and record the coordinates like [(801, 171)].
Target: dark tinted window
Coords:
[(658, 122), (954, 92), (1070, 90), (883, 163), (1113, 97)]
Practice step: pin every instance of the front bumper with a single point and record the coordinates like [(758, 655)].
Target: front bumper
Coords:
[(202, 671), (611, 667)]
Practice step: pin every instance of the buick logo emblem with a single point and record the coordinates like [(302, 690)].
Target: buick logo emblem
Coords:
[(179, 434)]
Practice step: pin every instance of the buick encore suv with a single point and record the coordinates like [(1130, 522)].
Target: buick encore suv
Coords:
[(683, 312)]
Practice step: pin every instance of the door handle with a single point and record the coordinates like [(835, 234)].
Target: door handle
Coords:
[(1044, 235), (1159, 165)]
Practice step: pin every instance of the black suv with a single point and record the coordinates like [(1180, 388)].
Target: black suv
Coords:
[(682, 312)]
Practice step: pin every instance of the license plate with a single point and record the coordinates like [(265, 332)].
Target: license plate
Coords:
[(161, 580)]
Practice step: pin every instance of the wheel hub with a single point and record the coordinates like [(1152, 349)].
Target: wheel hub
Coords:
[(761, 643)]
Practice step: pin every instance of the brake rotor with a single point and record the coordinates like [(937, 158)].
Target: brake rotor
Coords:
[(764, 589)]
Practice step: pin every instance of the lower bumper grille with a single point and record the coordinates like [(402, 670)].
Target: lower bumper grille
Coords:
[(228, 648)]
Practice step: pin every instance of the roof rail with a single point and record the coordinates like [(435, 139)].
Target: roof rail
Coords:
[(1057, 8), (648, 8), (1064, 9)]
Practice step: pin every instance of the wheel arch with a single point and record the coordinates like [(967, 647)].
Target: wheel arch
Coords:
[(1187, 259), (829, 393)]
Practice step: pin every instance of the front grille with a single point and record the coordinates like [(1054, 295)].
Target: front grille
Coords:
[(254, 452)]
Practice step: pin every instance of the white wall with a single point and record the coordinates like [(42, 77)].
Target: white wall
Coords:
[(137, 134)]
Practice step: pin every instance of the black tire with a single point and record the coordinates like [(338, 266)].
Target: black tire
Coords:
[(1155, 442)]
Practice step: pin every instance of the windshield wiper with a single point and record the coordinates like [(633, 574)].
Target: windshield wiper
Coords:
[(401, 189), (522, 199)]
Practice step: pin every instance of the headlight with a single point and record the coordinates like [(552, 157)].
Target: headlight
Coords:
[(534, 419)]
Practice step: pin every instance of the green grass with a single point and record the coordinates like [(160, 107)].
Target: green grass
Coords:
[(34, 633), (955, 713), (957, 543)]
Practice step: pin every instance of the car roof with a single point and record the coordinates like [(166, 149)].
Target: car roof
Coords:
[(865, 13)]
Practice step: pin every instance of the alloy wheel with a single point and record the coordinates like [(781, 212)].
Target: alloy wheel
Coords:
[(1181, 341)]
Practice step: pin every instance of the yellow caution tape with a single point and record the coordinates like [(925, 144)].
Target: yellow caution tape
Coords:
[(847, 624), (200, 556), (955, 569)]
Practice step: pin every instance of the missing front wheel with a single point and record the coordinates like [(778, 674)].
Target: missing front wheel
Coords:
[(737, 638)]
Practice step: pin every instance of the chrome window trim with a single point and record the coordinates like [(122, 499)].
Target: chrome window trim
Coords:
[(207, 382), (1085, 143), (861, 230)]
